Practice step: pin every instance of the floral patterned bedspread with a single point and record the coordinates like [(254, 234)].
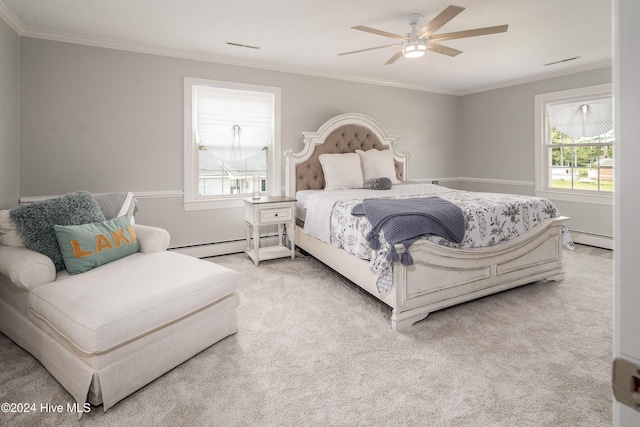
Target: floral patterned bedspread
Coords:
[(490, 218)]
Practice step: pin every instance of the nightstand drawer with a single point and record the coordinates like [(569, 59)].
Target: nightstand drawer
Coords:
[(275, 215)]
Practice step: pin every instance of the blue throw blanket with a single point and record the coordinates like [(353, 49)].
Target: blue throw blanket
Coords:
[(406, 220)]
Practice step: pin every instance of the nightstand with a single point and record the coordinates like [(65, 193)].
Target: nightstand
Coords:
[(270, 210)]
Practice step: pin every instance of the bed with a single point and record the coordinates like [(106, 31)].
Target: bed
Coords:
[(440, 274)]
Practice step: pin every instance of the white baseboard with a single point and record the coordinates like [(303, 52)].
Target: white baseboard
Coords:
[(588, 239), (223, 248)]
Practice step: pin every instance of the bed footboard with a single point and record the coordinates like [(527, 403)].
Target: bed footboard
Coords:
[(442, 277)]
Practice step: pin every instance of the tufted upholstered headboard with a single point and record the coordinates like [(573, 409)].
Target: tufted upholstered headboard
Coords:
[(341, 134)]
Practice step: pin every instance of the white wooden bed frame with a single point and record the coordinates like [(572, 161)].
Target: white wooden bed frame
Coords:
[(441, 276)]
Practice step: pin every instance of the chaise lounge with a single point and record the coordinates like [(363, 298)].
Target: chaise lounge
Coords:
[(108, 331)]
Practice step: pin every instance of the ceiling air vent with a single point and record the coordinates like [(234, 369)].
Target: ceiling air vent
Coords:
[(563, 60), (241, 45)]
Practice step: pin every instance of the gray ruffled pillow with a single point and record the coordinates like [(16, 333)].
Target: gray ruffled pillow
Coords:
[(377, 184), (35, 221)]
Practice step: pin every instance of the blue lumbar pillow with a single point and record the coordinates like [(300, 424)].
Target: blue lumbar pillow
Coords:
[(88, 246), (35, 221)]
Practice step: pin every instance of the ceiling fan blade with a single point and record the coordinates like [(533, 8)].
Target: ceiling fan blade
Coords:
[(449, 51), (434, 25), (470, 33), (368, 49), (379, 32), (394, 58)]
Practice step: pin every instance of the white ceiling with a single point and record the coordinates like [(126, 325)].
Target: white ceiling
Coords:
[(305, 36)]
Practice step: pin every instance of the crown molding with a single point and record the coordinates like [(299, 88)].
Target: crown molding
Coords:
[(23, 31), (567, 72), (8, 17), (183, 54)]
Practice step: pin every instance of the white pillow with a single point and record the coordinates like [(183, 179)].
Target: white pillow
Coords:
[(378, 164), (341, 171)]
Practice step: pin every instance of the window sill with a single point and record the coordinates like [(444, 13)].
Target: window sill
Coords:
[(593, 199)]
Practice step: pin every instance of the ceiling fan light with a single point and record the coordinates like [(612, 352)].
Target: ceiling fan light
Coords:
[(414, 50)]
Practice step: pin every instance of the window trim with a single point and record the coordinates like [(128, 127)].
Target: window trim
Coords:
[(542, 188), (192, 198)]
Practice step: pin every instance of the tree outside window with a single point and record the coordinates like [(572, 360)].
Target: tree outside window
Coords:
[(575, 144), (581, 144)]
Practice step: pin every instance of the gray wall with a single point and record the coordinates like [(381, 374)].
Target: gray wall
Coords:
[(9, 117), (497, 139), (105, 120)]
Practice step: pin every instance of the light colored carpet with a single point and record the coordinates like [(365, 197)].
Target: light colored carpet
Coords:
[(312, 349)]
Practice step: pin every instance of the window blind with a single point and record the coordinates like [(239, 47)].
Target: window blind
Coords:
[(233, 124), (582, 118)]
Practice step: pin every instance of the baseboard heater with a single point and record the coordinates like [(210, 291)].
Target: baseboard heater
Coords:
[(589, 239), (206, 250)]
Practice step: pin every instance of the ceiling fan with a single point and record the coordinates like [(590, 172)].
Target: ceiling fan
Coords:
[(418, 41)]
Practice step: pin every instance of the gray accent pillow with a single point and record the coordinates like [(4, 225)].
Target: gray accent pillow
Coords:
[(35, 221), (377, 184)]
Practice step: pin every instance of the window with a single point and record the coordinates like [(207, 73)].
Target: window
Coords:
[(575, 144), (231, 142)]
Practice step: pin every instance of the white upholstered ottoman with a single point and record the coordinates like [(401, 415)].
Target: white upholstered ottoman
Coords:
[(129, 321)]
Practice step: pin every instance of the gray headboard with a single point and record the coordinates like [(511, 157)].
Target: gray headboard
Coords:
[(341, 134)]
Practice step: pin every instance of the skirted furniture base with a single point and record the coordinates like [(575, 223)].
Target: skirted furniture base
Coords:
[(105, 333)]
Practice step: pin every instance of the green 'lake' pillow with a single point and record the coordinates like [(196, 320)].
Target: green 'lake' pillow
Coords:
[(88, 246)]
